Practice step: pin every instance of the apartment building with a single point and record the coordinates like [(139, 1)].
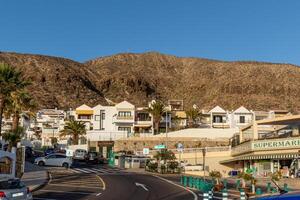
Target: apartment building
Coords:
[(48, 123)]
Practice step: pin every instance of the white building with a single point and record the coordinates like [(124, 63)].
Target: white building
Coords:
[(219, 118), (49, 123)]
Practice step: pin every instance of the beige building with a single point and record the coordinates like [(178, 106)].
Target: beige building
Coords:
[(267, 146)]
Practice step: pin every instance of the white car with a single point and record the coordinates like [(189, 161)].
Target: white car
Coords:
[(56, 159)]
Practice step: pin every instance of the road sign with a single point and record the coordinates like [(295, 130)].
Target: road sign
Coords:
[(180, 147), (145, 151), (69, 153), (160, 146)]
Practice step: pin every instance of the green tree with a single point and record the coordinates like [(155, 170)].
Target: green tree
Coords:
[(18, 102), (11, 80), (74, 129), (156, 109), (165, 155), (13, 137), (192, 115)]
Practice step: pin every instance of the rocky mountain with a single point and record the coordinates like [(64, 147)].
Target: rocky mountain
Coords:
[(138, 78), (57, 82), (141, 77)]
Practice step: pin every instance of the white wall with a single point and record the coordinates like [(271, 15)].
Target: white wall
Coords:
[(108, 122)]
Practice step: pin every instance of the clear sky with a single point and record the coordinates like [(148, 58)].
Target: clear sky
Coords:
[(263, 30)]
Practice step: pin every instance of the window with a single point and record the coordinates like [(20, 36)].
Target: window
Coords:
[(217, 119), (128, 129), (103, 116), (124, 114), (60, 156), (84, 117), (242, 119), (97, 117)]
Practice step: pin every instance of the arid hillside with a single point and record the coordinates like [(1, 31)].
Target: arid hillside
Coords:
[(138, 78), (141, 77), (56, 82)]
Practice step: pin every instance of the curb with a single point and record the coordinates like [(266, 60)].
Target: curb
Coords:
[(38, 187)]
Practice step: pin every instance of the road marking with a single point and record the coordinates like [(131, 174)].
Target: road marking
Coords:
[(54, 191), (77, 186), (98, 194), (103, 183), (82, 170), (141, 185), (89, 170), (193, 193)]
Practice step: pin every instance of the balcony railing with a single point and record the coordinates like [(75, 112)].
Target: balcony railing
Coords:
[(124, 117)]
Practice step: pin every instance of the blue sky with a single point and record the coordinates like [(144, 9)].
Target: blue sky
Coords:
[(263, 30)]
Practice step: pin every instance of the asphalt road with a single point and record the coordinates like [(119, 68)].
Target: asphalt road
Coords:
[(98, 182)]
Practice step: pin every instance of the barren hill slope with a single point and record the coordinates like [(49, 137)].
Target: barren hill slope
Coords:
[(63, 83), (141, 77), (56, 82)]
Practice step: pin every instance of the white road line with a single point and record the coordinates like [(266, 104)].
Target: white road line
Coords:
[(193, 193), (57, 191), (81, 170), (99, 170), (89, 170), (98, 194)]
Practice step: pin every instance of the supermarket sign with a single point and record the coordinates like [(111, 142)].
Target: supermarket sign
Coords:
[(276, 144)]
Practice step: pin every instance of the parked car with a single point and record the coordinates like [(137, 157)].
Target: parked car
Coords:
[(56, 159), (92, 157), (49, 151), (80, 154), (14, 189)]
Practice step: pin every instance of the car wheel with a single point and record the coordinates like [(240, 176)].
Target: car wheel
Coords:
[(41, 163), (65, 165)]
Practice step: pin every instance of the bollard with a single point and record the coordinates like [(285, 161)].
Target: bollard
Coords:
[(181, 180), (191, 182), (242, 195), (285, 187), (258, 191), (210, 194), (185, 180), (196, 180), (224, 194), (269, 187), (225, 183), (238, 184), (273, 190), (205, 196)]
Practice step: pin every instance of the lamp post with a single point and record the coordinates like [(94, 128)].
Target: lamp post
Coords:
[(204, 154)]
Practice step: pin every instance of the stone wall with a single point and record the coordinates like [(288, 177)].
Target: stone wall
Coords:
[(138, 143)]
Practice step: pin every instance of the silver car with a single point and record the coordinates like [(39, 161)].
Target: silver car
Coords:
[(56, 159), (14, 189)]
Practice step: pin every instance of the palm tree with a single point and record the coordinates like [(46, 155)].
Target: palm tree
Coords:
[(13, 137), (156, 109), (74, 129), (192, 115), (18, 102), (10, 80)]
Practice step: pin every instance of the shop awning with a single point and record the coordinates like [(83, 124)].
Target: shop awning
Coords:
[(262, 157)]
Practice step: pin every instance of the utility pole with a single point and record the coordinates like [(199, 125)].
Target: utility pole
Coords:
[(204, 154), (166, 130)]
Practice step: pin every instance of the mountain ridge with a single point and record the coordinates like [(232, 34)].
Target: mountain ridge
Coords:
[(140, 77)]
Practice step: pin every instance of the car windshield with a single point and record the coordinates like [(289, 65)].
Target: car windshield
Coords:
[(11, 184)]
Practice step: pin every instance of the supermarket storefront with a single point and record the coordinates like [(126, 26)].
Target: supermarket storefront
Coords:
[(263, 155)]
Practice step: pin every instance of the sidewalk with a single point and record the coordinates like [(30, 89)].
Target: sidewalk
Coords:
[(34, 176)]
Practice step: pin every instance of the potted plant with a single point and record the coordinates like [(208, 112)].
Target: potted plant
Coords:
[(248, 177), (216, 176)]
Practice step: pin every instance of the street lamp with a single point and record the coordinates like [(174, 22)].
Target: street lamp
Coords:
[(204, 154)]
